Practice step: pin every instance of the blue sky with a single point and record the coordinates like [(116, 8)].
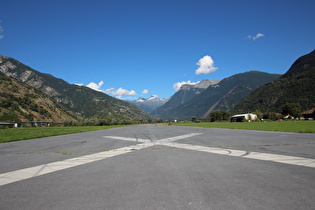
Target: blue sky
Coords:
[(125, 47)]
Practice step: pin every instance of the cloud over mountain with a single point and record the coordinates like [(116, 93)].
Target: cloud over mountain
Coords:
[(120, 92), (111, 91), (95, 86), (177, 85)]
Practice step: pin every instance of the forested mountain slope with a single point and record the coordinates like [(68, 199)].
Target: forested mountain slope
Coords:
[(20, 102), (295, 86), (221, 96), (183, 95)]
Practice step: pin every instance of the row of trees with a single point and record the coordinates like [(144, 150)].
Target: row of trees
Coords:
[(291, 109), (100, 121), (219, 116)]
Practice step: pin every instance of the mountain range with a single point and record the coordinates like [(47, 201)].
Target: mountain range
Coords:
[(80, 100), (182, 96), (149, 104), (194, 101), (295, 86), (240, 93)]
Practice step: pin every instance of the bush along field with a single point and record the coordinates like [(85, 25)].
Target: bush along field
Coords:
[(17, 134)]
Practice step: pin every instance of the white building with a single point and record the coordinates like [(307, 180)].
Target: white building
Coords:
[(243, 117)]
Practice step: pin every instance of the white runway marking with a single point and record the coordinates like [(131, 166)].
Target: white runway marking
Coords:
[(27, 173), (292, 160), (126, 138), (18, 175), (14, 176), (161, 140)]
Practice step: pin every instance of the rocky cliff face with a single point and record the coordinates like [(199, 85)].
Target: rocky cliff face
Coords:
[(204, 84), (12, 69)]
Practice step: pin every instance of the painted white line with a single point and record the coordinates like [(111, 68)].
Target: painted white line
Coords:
[(126, 138), (18, 175), (292, 160), (161, 140), (175, 138), (299, 161), (27, 173)]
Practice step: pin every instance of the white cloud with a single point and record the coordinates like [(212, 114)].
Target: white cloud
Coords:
[(177, 85), (120, 92), (259, 35), (109, 91), (95, 86), (249, 37), (206, 65), (145, 91), (79, 84), (123, 92)]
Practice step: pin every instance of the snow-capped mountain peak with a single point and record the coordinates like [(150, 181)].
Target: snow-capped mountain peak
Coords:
[(149, 104), (140, 99), (153, 97)]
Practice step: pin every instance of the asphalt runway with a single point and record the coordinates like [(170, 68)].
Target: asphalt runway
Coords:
[(160, 167)]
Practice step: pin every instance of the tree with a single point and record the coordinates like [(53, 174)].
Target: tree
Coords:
[(291, 109), (68, 122), (159, 120), (215, 116), (219, 115), (259, 114), (225, 115)]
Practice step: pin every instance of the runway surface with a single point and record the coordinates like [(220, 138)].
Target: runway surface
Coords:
[(160, 167)]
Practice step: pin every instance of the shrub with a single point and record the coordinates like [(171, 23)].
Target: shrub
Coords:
[(68, 122)]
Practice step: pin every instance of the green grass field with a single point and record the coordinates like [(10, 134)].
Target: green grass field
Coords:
[(17, 134), (302, 126)]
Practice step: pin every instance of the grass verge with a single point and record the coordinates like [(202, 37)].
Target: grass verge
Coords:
[(17, 134), (302, 126)]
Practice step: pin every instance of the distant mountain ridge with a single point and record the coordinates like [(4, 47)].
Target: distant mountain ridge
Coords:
[(204, 84), (80, 100), (295, 86), (183, 95), (223, 95), (149, 104)]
